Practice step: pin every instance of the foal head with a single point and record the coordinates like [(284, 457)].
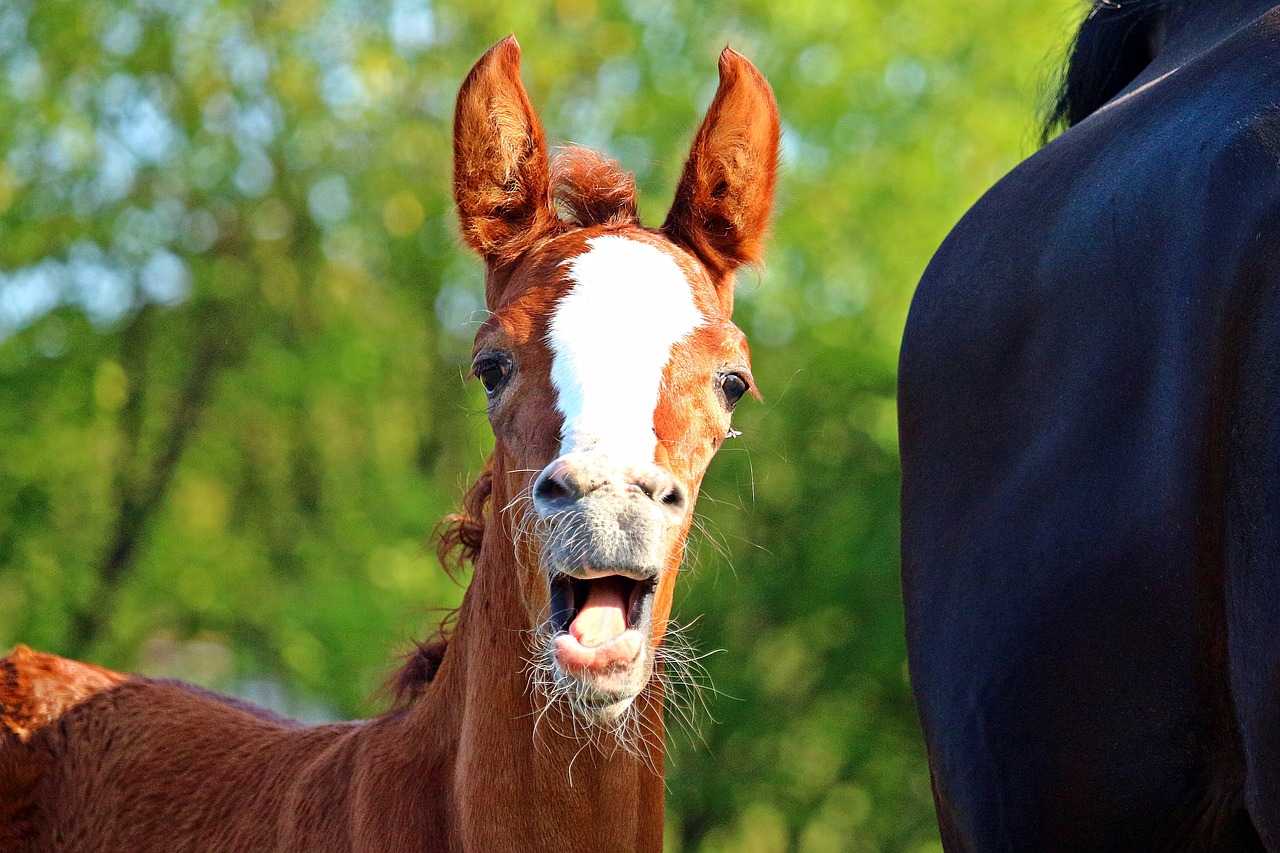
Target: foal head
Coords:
[(609, 360)]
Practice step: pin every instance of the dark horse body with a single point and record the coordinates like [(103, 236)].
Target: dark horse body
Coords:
[(1090, 415)]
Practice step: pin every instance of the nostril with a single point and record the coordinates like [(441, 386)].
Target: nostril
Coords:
[(551, 489), (674, 498), (663, 490)]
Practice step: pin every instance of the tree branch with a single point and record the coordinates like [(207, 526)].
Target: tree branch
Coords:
[(141, 498)]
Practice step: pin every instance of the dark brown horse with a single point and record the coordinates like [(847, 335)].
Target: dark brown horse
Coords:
[(612, 368), (1090, 417)]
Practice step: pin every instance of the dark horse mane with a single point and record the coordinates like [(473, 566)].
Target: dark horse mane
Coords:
[(587, 189), (1110, 49)]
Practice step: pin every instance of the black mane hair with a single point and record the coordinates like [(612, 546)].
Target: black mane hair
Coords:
[(1112, 46)]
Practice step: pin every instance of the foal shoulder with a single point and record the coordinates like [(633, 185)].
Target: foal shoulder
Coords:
[(38, 688)]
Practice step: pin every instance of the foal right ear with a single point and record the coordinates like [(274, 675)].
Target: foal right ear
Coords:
[(722, 203), (501, 180)]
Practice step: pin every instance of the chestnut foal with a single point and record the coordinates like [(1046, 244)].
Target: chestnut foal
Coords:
[(611, 368)]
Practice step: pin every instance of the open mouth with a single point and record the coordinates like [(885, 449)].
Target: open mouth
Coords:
[(600, 624)]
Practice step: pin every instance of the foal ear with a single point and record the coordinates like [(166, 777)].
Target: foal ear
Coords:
[(722, 203), (501, 181)]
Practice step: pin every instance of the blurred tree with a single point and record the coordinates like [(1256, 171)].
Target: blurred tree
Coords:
[(234, 321)]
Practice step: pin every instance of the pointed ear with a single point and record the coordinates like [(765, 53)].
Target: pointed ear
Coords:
[(722, 203), (501, 180)]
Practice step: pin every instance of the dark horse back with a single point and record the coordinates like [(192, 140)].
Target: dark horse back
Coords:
[(1090, 417)]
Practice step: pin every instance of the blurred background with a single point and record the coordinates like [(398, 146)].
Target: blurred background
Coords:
[(235, 320)]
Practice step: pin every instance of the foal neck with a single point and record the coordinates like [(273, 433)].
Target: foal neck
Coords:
[(525, 779)]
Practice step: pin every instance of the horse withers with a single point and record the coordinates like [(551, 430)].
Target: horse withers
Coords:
[(611, 368), (1090, 424)]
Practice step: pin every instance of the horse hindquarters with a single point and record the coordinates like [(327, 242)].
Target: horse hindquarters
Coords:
[(1253, 540), (1047, 748)]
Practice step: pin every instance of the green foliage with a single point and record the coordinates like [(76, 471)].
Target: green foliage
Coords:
[(234, 320)]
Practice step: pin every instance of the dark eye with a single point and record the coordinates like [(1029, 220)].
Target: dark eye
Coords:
[(492, 371), (733, 386)]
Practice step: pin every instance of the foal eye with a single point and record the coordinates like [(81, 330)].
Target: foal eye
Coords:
[(733, 386), (491, 372)]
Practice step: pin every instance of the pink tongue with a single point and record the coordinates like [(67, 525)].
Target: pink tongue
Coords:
[(603, 616)]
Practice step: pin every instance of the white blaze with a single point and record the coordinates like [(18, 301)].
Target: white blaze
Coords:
[(611, 339)]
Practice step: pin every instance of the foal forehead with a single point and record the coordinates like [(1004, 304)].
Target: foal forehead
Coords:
[(613, 319), (627, 283), (620, 284), (611, 339)]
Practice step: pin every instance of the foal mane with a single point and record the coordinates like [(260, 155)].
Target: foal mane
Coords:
[(459, 536), (461, 533)]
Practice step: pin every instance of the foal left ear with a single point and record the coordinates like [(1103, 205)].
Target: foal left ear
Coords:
[(501, 176), (722, 203)]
